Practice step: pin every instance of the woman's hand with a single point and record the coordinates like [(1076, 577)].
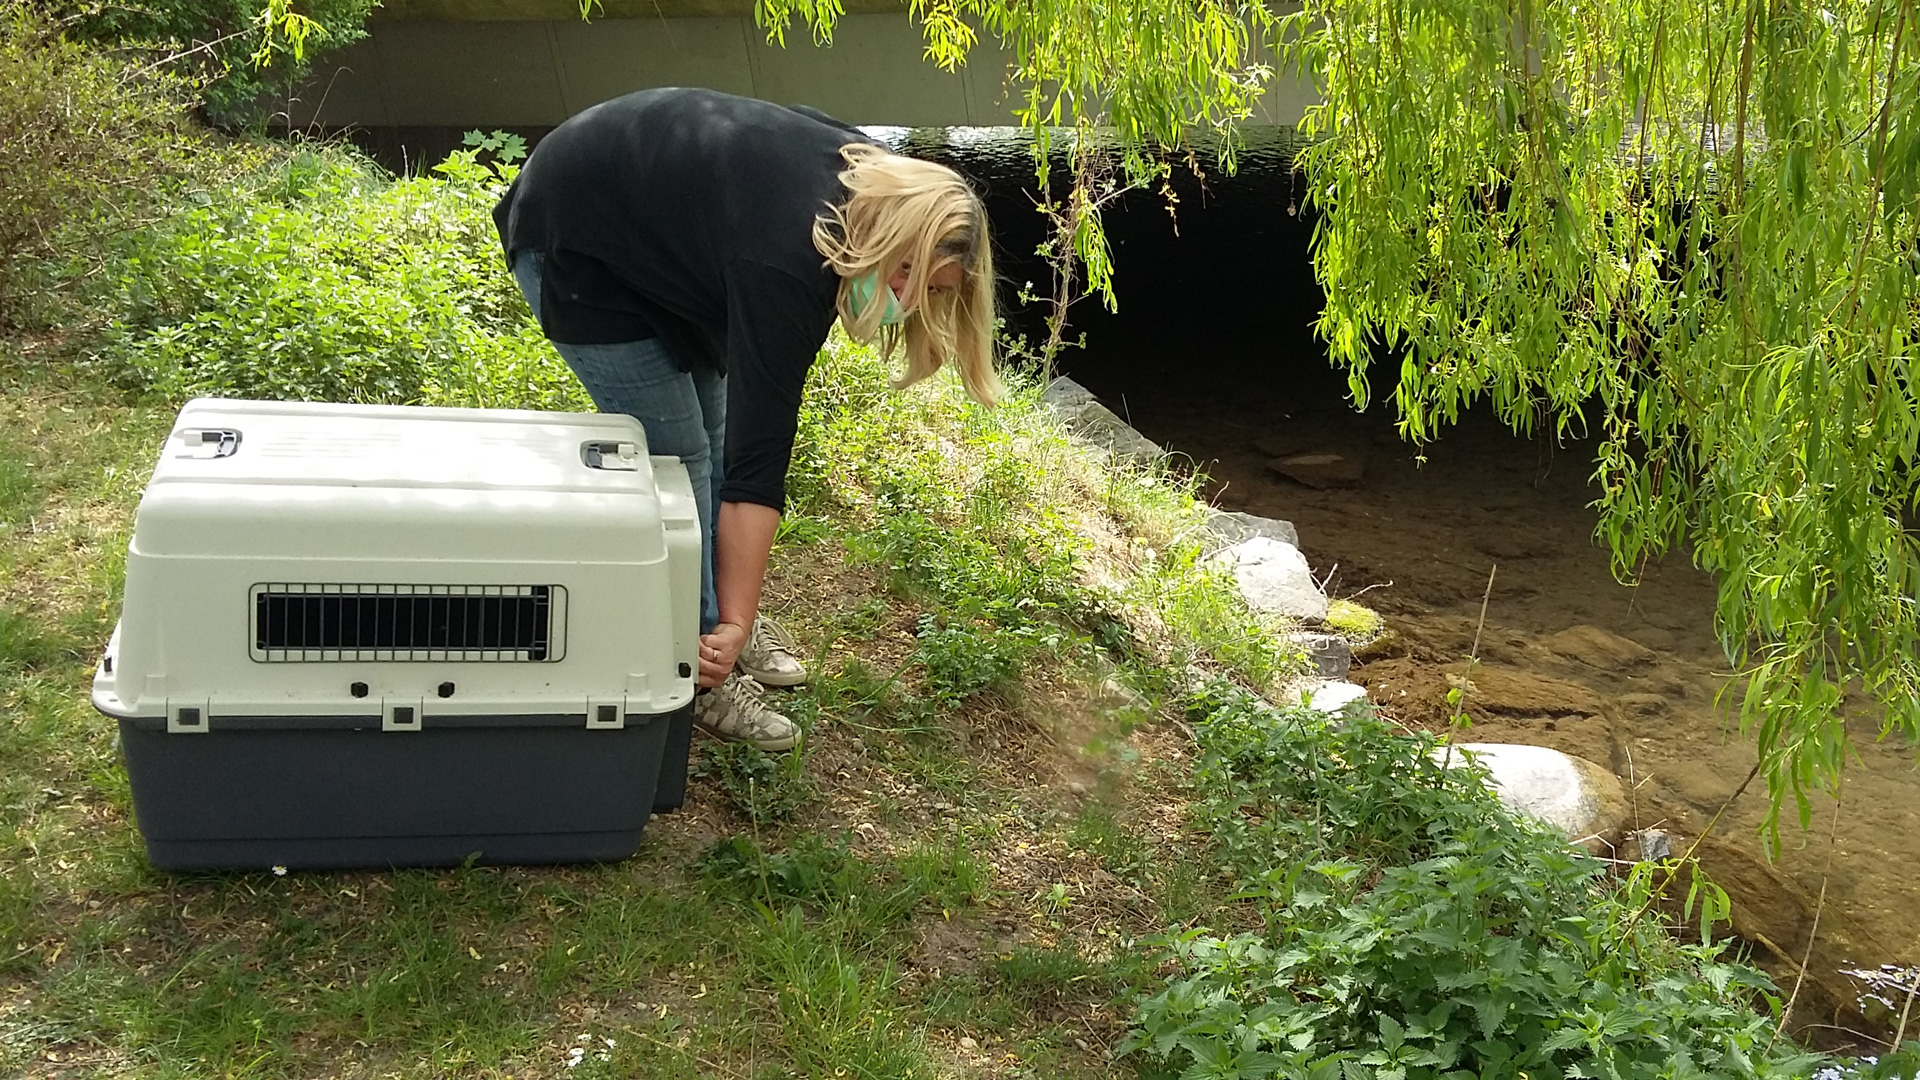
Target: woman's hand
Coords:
[(718, 652)]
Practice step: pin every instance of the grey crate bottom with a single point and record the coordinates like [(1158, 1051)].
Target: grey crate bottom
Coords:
[(314, 793)]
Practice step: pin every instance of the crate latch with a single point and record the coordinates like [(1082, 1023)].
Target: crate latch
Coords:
[(399, 714), (607, 713), (619, 456), (207, 442), (187, 717)]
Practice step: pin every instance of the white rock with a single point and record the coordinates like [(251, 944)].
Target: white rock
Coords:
[(1647, 845), (1232, 526), (1273, 576), (1572, 794), (1333, 697)]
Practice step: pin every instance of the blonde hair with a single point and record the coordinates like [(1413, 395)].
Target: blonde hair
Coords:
[(901, 209)]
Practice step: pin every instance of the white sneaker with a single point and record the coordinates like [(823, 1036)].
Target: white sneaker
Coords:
[(733, 711), (768, 656)]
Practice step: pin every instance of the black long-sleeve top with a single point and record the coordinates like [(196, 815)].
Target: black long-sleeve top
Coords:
[(688, 214)]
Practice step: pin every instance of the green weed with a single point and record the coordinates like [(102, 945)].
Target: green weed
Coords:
[(930, 757), (815, 870), (864, 899), (25, 643), (962, 659), (949, 876), (1203, 609), (16, 488), (1415, 929), (1045, 975), (19, 921), (761, 787)]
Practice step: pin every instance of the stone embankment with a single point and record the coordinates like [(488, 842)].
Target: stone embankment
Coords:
[(1582, 799)]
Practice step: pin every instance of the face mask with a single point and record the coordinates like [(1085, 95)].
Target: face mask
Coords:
[(860, 291)]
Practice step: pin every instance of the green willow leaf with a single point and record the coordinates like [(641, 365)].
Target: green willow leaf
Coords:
[(1692, 229)]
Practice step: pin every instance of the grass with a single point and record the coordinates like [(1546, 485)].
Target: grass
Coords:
[(872, 905), (962, 872)]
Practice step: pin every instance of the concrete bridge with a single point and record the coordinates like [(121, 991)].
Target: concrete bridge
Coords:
[(430, 69)]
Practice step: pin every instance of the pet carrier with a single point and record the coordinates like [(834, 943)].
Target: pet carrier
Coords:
[(381, 635)]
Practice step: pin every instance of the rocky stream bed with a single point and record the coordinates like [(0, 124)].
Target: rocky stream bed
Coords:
[(1628, 677)]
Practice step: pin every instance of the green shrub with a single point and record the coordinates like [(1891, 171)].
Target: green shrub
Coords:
[(963, 659), (215, 44), (815, 870), (1416, 931), (84, 138), (322, 278)]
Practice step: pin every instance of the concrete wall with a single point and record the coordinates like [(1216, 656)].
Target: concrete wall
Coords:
[(421, 68)]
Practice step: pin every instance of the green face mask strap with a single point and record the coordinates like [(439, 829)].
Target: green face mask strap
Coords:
[(861, 289)]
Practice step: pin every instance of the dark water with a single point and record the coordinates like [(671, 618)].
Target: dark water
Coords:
[(1214, 290)]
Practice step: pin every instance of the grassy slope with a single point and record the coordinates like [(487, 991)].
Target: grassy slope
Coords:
[(953, 877)]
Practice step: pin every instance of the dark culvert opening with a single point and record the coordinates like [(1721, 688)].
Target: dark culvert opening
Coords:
[(1212, 354)]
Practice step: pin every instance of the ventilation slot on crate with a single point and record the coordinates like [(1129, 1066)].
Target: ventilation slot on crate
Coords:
[(332, 622)]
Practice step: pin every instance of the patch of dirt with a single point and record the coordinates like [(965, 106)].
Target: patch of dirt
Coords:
[(1033, 762), (1570, 658)]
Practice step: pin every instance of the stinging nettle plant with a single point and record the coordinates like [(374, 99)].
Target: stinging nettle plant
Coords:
[(1693, 230)]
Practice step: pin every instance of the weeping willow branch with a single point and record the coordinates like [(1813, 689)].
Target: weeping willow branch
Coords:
[(1128, 83), (1743, 318), (1537, 208)]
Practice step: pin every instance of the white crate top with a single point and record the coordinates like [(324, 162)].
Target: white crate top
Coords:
[(253, 500), (272, 442)]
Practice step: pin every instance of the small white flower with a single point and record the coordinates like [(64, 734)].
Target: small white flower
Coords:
[(279, 871)]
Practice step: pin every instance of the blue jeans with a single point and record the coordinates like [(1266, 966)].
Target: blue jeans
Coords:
[(684, 413)]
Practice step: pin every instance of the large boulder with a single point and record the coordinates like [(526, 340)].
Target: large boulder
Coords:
[(1273, 576), (1572, 794), (1329, 654), (1233, 527), (1095, 424)]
